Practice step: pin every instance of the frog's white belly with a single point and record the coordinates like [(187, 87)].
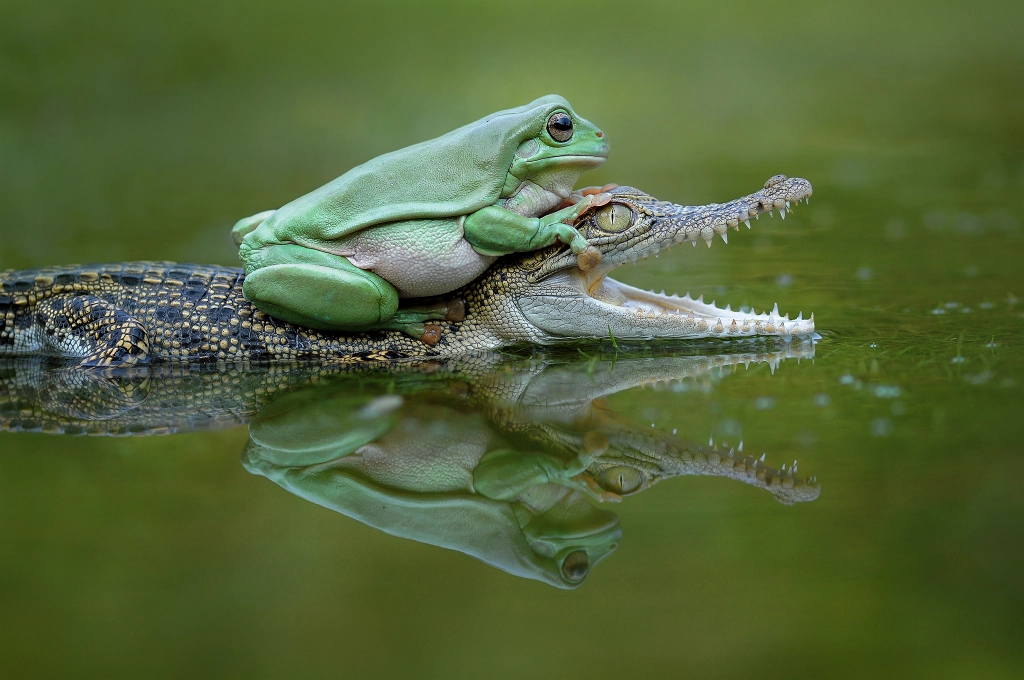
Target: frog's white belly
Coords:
[(418, 257)]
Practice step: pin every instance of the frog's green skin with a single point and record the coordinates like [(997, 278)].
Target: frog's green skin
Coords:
[(132, 313), (420, 221), (492, 458)]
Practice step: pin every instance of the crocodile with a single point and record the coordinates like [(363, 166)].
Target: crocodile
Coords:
[(134, 313), (498, 457)]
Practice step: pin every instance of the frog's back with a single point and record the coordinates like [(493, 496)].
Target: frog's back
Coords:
[(452, 175)]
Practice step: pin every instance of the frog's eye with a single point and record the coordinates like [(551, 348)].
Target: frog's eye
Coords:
[(575, 566), (560, 126), (614, 217), (622, 479)]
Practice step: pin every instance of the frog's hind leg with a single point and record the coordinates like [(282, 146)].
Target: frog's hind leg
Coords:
[(319, 290), (99, 332), (316, 289)]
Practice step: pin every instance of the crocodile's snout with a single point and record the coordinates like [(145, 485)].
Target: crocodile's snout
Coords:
[(632, 226)]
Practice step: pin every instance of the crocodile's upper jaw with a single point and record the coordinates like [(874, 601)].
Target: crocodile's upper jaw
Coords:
[(566, 302)]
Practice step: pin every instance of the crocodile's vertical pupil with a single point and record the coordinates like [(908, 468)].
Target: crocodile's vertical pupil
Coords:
[(560, 126), (614, 217)]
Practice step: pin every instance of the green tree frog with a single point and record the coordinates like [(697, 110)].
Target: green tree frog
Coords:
[(423, 221)]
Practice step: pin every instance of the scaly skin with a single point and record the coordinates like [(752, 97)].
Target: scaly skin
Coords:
[(128, 314)]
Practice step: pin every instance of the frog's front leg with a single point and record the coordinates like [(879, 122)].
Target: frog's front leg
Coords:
[(504, 474), (495, 230), (319, 290)]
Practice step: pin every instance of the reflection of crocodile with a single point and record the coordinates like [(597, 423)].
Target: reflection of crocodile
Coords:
[(127, 314), (493, 459)]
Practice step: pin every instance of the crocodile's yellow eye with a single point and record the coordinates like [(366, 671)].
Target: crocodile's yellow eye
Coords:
[(622, 479), (614, 217), (576, 565), (560, 126)]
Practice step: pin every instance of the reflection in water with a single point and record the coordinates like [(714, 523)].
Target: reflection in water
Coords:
[(507, 462)]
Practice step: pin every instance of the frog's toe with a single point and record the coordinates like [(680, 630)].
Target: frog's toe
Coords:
[(427, 333), (456, 310), (431, 334)]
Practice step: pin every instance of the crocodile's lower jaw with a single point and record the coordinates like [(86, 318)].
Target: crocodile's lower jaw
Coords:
[(603, 306)]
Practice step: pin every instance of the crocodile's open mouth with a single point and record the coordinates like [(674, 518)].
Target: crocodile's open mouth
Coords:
[(593, 305)]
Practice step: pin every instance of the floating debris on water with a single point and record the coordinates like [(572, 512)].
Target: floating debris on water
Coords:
[(887, 391), (881, 427)]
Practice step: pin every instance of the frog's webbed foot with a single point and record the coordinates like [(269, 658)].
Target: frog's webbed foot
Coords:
[(415, 321)]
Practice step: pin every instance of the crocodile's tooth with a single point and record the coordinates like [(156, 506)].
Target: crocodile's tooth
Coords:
[(789, 207), (771, 213), (807, 200), (756, 217), (762, 457), (728, 308), (707, 239), (701, 298), (740, 447), (694, 243), (775, 310), (711, 440), (747, 222), (687, 296), (724, 238), (782, 213), (800, 317)]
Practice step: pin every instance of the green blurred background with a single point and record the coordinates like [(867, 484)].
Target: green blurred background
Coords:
[(138, 130)]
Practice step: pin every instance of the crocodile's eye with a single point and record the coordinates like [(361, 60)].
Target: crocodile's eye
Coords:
[(576, 565), (560, 126), (614, 217), (622, 479)]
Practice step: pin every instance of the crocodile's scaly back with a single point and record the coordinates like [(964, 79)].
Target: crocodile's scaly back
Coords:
[(124, 314)]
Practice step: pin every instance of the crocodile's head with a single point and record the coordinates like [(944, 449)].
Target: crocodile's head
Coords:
[(558, 300)]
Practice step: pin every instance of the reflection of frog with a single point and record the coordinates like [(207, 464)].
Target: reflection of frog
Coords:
[(435, 475), (502, 467), (422, 221)]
